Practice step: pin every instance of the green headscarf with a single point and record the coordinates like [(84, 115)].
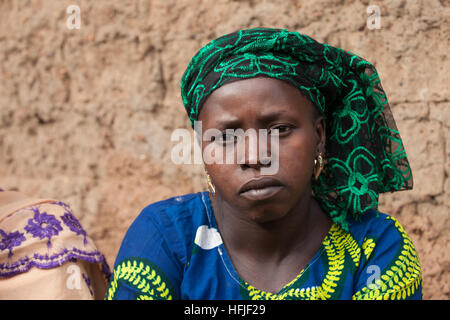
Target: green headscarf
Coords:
[(364, 155)]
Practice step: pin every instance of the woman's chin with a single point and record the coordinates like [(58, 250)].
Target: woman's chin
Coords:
[(265, 216)]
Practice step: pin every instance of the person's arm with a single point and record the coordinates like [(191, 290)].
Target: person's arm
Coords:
[(147, 266), (391, 268)]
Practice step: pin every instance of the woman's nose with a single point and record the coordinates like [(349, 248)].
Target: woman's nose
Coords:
[(253, 151)]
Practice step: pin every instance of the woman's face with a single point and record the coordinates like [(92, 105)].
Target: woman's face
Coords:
[(263, 103)]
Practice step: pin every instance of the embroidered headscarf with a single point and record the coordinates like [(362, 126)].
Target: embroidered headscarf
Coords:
[(364, 154)]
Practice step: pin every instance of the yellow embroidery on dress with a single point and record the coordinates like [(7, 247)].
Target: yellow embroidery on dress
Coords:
[(402, 279), (336, 244), (367, 247), (140, 276), (351, 246)]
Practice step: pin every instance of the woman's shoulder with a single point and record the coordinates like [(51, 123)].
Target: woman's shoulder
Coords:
[(376, 224), (375, 235), (180, 211), (176, 203), (170, 223), (388, 255)]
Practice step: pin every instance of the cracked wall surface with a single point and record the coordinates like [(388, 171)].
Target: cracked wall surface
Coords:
[(86, 114)]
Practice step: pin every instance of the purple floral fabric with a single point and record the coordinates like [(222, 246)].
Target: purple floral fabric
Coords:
[(88, 283), (55, 225), (10, 240), (72, 222), (54, 260), (43, 225)]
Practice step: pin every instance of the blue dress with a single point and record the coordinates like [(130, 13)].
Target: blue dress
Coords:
[(173, 250)]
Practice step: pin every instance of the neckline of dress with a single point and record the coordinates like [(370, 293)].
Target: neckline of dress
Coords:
[(226, 260)]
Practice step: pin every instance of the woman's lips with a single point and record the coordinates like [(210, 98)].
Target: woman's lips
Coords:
[(261, 194), (260, 189)]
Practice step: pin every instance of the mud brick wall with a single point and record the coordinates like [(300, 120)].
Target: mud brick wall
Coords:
[(86, 114)]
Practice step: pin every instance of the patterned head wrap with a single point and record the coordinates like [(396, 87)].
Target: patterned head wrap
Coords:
[(364, 155)]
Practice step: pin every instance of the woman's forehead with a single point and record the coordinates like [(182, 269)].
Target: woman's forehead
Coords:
[(258, 86), (260, 97)]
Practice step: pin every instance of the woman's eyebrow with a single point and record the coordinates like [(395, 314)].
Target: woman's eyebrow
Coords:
[(234, 122), (228, 123), (271, 115)]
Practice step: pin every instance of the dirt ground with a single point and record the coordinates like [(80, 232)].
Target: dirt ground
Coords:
[(86, 114)]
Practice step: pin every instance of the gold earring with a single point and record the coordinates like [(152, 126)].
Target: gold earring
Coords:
[(210, 185), (318, 171)]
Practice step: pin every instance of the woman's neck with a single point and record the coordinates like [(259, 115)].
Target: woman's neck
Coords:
[(276, 240)]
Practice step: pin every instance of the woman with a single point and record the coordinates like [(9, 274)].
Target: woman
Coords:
[(45, 254), (311, 229)]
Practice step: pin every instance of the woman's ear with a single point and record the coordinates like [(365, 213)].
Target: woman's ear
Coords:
[(320, 129)]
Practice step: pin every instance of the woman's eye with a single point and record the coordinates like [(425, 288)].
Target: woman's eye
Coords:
[(280, 129), (226, 138)]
